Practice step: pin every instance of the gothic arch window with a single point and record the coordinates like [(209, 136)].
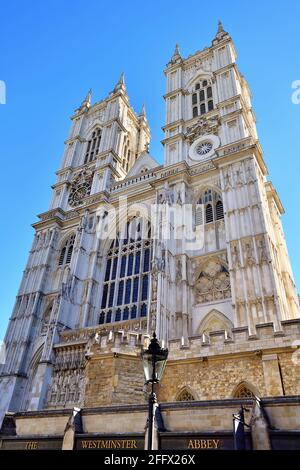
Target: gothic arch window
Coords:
[(209, 208), (93, 146), (185, 395), (127, 272), (202, 98), (126, 153), (66, 251), (243, 390)]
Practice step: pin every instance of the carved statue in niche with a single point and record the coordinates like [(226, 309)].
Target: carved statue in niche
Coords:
[(213, 282), (154, 286), (153, 316), (179, 199), (239, 176), (159, 262), (249, 175), (262, 251), (178, 270), (66, 287), (236, 262), (227, 181), (248, 249), (167, 195)]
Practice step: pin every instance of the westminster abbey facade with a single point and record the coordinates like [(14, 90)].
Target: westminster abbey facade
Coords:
[(192, 249)]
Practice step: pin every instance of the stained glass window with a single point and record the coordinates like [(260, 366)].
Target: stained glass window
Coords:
[(126, 280)]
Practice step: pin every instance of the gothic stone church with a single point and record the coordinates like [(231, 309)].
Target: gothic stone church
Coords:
[(226, 307)]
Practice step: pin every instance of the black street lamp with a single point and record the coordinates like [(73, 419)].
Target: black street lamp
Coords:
[(154, 361)]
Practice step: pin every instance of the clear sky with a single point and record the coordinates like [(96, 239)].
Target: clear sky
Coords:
[(53, 51)]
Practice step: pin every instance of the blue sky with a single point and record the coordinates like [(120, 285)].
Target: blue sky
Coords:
[(52, 52)]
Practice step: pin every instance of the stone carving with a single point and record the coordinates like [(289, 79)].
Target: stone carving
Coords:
[(67, 286), (167, 195), (236, 261), (68, 379), (154, 285), (248, 250), (262, 251), (213, 283), (238, 176), (178, 270), (227, 181), (204, 126), (153, 316), (179, 198), (159, 262), (250, 178)]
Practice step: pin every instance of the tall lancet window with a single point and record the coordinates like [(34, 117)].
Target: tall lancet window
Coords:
[(210, 208), (66, 251), (202, 98), (93, 146), (126, 153), (127, 272)]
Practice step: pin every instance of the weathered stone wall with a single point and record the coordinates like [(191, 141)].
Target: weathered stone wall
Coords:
[(211, 379), (209, 367), (114, 377)]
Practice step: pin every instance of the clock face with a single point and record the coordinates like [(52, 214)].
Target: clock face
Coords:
[(204, 148), (81, 187)]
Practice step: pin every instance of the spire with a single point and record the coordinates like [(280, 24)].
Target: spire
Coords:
[(122, 79), (86, 103), (176, 57), (143, 112), (221, 32), (121, 83), (88, 97), (177, 52), (220, 27)]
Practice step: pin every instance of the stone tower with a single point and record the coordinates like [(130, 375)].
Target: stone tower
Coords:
[(242, 273), (59, 286)]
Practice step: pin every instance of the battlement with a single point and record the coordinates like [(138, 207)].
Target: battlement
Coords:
[(237, 341)]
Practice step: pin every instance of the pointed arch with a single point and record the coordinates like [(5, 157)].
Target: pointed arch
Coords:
[(66, 249), (201, 75), (215, 321), (93, 144), (209, 205), (245, 390), (32, 380), (185, 394)]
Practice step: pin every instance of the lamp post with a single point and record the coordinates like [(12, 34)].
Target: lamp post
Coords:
[(154, 361)]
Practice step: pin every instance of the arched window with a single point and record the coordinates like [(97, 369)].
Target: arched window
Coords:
[(243, 391), (93, 146), (126, 153), (66, 251), (126, 277), (185, 395), (209, 208), (202, 98)]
